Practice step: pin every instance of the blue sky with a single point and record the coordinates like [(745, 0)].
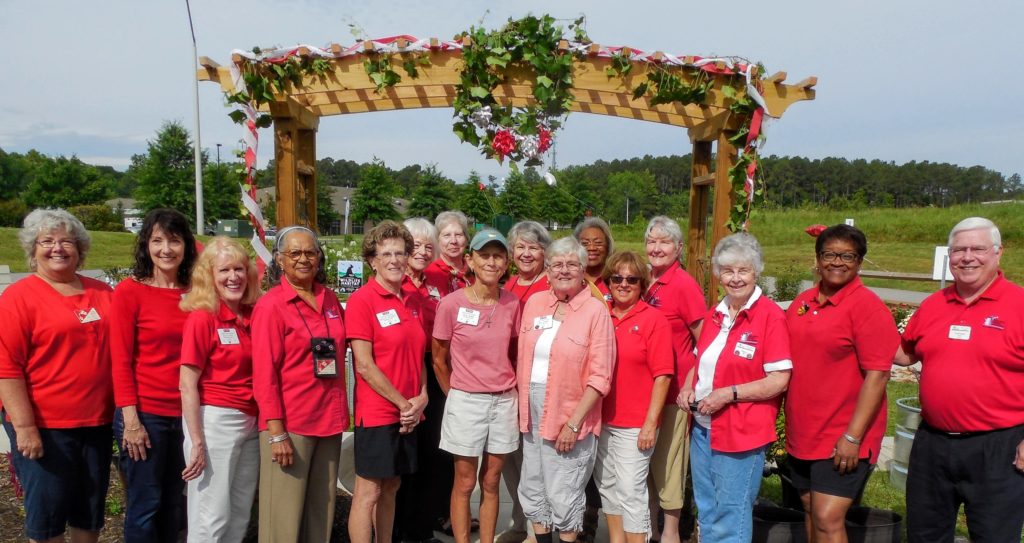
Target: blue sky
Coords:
[(898, 80)]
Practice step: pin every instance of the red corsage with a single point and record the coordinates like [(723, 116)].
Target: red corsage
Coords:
[(543, 139), (815, 230), (503, 143)]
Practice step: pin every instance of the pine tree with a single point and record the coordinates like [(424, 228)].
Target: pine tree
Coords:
[(515, 199), (475, 199), (432, 195), (374, 197)]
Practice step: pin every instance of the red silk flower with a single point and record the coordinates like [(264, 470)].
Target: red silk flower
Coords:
[(543, 139), (815, 230), (503, 143)]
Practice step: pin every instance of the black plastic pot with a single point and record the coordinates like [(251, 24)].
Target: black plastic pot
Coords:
[(869, 525), (778, 525)]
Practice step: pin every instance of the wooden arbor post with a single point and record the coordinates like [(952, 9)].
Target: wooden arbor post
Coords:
[(295, 157)]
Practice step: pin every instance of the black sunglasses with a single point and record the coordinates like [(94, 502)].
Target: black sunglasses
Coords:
[(616, 279)]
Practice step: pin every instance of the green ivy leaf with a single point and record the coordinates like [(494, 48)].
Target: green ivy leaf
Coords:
[(545, 81), (264, 121), (479, 92), (639, 91), (237, 116)]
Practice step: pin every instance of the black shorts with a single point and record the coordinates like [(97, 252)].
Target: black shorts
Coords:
[(821, 476), (381, 452)]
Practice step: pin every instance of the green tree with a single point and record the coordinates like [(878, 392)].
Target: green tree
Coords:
[(638, 188), (433, 194), (325, 212), (222, 196), (515, 199), (374, 197), (166, 173), (66, 182), (474, 199), (553, 206)]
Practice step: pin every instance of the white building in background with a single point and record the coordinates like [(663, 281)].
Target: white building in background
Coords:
[(132, 213)]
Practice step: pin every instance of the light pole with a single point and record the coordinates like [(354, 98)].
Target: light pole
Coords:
[(218, 156), (200, 220)]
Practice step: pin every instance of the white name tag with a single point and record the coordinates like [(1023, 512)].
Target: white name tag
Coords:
[(745, 351), (388, 318), (88, 316), (468, 316), (543, 323), (228, 336), (962, 333), (433, 292)]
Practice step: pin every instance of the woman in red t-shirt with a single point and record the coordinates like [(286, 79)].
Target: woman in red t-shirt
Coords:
[(145, 346), (743, 366), (55, 381), (843, 340), (595, 236), (631, 412), (222, 448), (448, 273)]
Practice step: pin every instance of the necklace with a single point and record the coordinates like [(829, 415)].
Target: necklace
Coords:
[(479, 301)]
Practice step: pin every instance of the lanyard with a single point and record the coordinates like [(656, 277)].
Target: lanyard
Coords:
[(304, 323)]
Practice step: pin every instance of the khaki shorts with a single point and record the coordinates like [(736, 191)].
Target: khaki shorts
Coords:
[(670, 463), (475, 422)]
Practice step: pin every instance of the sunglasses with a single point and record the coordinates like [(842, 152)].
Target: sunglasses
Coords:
[(631, 279)]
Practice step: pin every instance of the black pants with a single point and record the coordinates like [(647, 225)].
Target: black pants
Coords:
[(975, 470), (426, 495)]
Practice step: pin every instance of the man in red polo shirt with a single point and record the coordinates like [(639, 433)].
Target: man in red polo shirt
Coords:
[(969, 338)]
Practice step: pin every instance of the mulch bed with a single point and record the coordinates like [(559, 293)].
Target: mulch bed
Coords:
[(12, 514)]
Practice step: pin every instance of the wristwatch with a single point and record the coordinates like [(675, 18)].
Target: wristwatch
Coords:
[(575, 429)]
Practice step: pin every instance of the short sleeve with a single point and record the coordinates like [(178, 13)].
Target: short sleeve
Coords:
[(660, 355), (875, 336), (15, 337), (693, 300), (777, 355), (359, 317), (443, 318), (197, 339)]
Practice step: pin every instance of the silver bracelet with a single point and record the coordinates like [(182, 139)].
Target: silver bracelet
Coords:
[(278, 438), (851, 439)]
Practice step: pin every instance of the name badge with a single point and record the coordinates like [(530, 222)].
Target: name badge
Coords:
[(468, 316), (543, 323), (745, 351), (388, 318), (228, 336), (433, 292), (960, 332), (88, 316)]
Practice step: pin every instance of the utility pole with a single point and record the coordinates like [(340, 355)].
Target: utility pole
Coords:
[(218, 156)]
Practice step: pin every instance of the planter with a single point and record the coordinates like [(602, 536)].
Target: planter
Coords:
[(869, 525), (898, 475), (778, 525), (908, 413), (902, 444)]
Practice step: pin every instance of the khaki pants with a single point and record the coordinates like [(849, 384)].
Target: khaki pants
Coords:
[(297, 502), (670, 463)]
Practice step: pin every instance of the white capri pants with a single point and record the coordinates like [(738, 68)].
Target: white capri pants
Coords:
[(551, 487), (621, 474), (220, 499)]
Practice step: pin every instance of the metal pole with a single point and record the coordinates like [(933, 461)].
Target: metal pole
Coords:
[(627, 211), (200, 219), (218, 156)]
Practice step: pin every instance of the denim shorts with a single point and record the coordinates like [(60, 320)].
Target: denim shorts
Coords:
[(67, 486)]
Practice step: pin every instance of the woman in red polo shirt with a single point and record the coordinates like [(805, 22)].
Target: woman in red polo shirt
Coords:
[(743, 367), (388, 342), (448, 273), (299, 386), (631, 412), (595, 236), (843, 340), (222, 450), (55, 381), (145, 346)]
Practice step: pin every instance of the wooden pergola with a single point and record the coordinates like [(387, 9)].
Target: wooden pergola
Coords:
[(346, 89)]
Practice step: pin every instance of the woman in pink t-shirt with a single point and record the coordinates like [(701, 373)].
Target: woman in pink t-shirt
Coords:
[(473, 348), (222, 449)]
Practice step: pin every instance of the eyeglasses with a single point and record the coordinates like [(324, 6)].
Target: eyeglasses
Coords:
[(588, 244), (399, 255), (295, 256), (428, 247), (729, 273), (829, 256), (568, 266), (631, 279), (65, 244), (960, 252)]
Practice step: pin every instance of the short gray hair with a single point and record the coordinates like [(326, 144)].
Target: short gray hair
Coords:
[(666, 225), (977, 223), (566, 246), (595, 222), (422, 228), (530, 232), (445, 218), (45, 221), (739, 248)]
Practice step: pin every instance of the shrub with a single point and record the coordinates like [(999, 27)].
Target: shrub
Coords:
[(98, 217), (12, 213)]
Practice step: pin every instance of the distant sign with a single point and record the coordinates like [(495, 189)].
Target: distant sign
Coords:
[(940, 265), (350, 275)]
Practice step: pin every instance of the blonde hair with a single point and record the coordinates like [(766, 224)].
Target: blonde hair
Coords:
[(203, 294)]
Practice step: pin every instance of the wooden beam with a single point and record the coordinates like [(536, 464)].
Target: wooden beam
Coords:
[(725, 158), (703, 180), (777, 77), (207, 62), (696, 239), (807, 83), (291, 108)]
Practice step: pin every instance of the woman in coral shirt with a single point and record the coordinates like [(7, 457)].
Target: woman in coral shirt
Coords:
[(566, 357)]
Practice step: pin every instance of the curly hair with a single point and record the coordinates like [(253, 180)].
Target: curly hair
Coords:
[(44, 221), (203, 294), (384, 231), (173, 223)]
